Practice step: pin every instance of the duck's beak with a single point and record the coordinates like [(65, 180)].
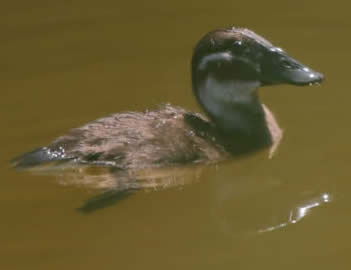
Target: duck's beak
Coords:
[(282, 68), (300, 76)]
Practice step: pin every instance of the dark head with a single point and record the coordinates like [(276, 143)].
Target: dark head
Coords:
[(240, 54), (228, 65)]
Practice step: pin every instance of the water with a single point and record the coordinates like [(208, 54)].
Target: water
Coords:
[(65, 64)]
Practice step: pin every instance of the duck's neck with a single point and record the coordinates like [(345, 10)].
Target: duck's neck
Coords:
[(235, 108)]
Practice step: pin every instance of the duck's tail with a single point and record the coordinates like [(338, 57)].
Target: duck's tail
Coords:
[(38, 157)]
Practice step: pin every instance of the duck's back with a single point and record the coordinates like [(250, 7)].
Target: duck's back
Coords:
[(133, 140)]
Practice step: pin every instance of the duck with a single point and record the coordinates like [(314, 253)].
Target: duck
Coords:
[(228, 67)]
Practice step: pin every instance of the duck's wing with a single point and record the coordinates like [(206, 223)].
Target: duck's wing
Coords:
[(128, 140)]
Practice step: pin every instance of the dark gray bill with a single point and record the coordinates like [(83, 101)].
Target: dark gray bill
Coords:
[(278, 67)]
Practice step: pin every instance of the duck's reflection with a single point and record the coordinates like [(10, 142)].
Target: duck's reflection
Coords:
[(114, 185), (300, 211), (102, 178), (259, 204), (244, 204)]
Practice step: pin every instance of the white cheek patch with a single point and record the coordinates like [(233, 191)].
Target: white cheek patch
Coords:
[(214, 57)]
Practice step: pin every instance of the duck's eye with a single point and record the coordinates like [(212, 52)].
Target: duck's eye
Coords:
[(238, 46), (237, 43)]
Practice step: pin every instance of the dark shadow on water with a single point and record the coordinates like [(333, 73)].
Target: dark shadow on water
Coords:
[(104, 200)]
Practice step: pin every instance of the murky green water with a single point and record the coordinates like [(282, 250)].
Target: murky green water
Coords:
[(64, 64)]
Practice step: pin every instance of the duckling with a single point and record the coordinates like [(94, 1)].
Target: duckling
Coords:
[(228, 66)]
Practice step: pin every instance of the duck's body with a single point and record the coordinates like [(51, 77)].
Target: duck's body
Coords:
[(163, 137), (228, 66)]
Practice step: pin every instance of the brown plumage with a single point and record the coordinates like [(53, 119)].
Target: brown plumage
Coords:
[(228, 66)]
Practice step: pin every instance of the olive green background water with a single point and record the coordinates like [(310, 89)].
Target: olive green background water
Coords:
[(65, 63)]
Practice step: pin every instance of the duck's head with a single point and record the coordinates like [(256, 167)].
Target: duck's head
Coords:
[(238, 54), (229, 65)]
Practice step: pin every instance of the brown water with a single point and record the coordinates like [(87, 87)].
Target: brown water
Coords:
[(69, 62)]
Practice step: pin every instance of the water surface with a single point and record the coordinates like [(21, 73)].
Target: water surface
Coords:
[(64, 64)]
